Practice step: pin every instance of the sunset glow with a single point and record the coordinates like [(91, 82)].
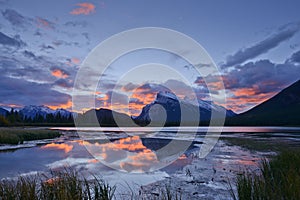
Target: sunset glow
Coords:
[(67, 105)]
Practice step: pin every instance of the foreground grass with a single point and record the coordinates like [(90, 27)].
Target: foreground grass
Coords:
[(19, 135), (60, 185), (278, 179), (69, 184)]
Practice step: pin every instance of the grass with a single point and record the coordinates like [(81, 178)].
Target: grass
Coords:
[(279, 178), (19, 135), (169, 194), (66, 184)]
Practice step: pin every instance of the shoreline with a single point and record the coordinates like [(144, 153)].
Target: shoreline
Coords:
[(208, 178)]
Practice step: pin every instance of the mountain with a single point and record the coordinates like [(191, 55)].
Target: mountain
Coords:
[(168, 108), (282, 109), (32, 111), (63, 112), (3, 112), (105, 117)]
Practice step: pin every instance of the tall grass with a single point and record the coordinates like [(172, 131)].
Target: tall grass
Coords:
[(67, 184), (169, 194), (278, 179), (19, 135)]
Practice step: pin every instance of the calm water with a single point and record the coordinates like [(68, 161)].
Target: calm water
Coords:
[(133, 150)]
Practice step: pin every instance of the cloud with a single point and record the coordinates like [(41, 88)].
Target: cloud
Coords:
[(38, 33), (3, 2), (263, 74), (75, 60), (129, 87), (46, 47), (112, 100), (58, 43), (254, 82), (82, 24), (87, 37), (64, 83), (10, 66), (29, 54), (84, 9), (9, 41), (29, 66), (59, 73), (22, 92), (44, 23), (15, 18), (65, 105), (295, 58), (262, 47)]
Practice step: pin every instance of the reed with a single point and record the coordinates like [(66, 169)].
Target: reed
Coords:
[(61, 185), (279, 178)]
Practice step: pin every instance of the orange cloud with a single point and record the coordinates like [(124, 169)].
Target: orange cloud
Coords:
[(246, 98), (142, 97), (59, 73), (65, 147), (75, 60), (84, 9), (245, 92), (67, 105)]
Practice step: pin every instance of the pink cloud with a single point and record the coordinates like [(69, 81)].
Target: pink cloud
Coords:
[(84, 9)]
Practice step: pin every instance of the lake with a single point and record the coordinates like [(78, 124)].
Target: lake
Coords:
[(135, 157)]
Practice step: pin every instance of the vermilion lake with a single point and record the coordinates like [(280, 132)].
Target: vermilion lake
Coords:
[(125, 154)]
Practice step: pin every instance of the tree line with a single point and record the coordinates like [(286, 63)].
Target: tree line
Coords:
[(14, 117)]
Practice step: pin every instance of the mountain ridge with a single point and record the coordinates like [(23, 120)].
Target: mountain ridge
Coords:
[(281, 109)]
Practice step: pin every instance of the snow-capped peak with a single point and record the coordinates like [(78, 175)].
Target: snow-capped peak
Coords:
[(33, 110), (165, 96)]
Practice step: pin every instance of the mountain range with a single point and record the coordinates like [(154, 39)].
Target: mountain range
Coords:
[(282, 109), (32, 111), (165, 110)]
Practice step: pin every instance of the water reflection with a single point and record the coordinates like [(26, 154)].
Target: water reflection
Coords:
[(62, 146), (128, 154)]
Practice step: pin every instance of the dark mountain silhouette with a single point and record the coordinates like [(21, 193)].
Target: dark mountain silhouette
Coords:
[(282, 109), (103, 117)]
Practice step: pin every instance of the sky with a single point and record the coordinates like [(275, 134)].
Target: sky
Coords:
[(255, 45)]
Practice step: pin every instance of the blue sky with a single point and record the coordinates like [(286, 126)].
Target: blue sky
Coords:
[(255, 43)]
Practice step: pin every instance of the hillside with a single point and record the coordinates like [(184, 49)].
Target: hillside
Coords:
[(282, 109)]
